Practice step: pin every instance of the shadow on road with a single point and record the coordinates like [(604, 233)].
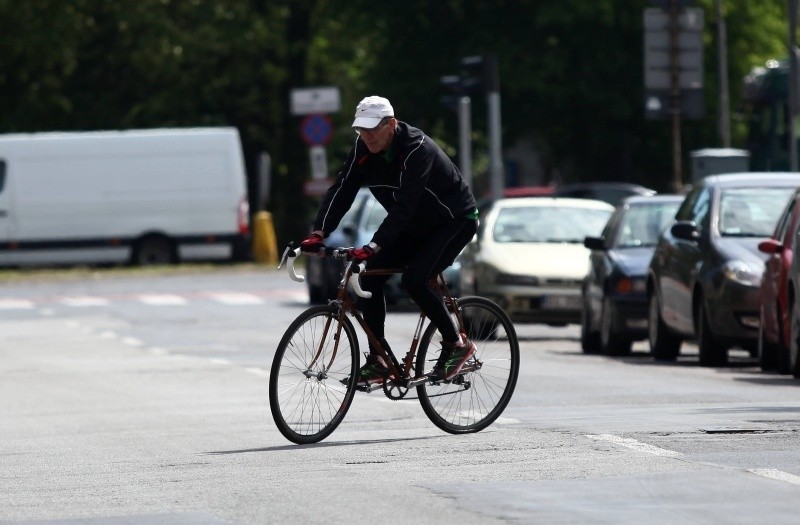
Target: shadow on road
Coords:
[(324, 444)]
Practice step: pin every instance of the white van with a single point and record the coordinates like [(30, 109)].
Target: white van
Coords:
[(142, 196)]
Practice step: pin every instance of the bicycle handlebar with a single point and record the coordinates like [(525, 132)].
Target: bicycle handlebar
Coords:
[(291, 253)]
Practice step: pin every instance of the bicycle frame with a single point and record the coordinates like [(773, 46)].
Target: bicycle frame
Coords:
[(402, 372), (312, 379)]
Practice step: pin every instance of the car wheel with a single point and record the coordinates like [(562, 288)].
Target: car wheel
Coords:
[(611, 341), (794, 348), (315, 295), (711, 352), (783, 361), (767, 352), (664, 345), (590, 338)]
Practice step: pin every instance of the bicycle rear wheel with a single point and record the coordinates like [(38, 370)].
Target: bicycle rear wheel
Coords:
[(309, 393), (475, 398)]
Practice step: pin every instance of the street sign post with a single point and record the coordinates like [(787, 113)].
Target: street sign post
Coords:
[(307, 101), (673, 69), (659, 49), (316, 130)]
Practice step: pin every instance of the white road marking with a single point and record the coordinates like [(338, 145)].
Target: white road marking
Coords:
[(635, 445), (84, 300), (507, 421), (16, 304), (776, 474), (257, 371), (236, 298), (132, 341), (162, 299), (218, 361)]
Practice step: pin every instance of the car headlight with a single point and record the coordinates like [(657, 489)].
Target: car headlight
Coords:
[(741, 272)]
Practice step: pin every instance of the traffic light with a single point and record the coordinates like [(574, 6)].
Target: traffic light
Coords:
[(479, 74), (453, 84)]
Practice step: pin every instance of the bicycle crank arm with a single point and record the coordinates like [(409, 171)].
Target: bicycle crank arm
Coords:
[(370, 387)]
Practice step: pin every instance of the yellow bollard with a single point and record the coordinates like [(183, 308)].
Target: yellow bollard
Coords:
[(265, 244)]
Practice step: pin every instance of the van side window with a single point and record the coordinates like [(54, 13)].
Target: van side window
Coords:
[(2, 175)]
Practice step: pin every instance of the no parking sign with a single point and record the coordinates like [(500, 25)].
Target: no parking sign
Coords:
[(316, 130)]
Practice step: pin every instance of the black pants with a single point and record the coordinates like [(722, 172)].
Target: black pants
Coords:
[(422, 258)]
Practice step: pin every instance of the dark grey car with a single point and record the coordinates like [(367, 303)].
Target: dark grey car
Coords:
[(614, 291), (704, 277)]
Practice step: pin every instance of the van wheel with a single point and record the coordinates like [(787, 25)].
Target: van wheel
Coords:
[(152, 250)]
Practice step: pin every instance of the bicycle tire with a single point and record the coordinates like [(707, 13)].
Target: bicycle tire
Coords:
[(452, 406), (307, 397)]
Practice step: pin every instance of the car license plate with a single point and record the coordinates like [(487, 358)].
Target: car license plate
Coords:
[(562, 302)]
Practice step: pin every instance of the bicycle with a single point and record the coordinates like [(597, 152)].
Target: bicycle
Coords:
[(313, 377)]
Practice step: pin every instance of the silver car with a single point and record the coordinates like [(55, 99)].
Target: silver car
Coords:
[(528, 256)]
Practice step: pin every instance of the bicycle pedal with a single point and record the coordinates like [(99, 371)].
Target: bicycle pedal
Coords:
[(370, 387)]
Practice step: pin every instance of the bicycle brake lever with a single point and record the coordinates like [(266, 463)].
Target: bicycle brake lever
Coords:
[(286, 255), (289, 256), (355, 283)]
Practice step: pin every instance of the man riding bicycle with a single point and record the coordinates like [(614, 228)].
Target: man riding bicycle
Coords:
[(432, 215)]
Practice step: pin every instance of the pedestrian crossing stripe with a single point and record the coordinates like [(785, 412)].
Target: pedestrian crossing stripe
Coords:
[(162, 300), (236, 298), (231, 298), (16, 304), (84, 300)]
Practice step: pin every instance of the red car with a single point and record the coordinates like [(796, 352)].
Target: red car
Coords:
[(775, 322)]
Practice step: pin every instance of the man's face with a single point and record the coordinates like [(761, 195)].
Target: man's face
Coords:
[(378, 138)]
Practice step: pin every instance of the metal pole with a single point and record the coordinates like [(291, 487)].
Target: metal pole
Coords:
[(495, 149), (793, 88), (495, 145), (465, 138), (722, 63), (677, 172)]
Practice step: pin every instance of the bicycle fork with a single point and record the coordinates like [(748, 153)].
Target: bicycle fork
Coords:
[(323, 374)]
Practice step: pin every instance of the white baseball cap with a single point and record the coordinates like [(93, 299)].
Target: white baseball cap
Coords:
[(371, 110)]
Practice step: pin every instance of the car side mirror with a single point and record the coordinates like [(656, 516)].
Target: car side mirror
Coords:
[(770, 246), (594, 243), (686, 230)]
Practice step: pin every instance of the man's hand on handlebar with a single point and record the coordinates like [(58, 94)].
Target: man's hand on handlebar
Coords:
[(362, 254), (312, 244)]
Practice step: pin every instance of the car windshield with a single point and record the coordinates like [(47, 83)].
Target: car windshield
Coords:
[(751, 212), (643, 223), (554, 224)]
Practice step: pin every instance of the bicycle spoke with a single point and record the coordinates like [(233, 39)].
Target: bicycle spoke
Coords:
[(307, 397), (490, 376)]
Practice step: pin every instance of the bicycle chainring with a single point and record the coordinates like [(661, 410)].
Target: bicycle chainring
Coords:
[(394, 391)]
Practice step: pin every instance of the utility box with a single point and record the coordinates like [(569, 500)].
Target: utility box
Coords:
[(713, 161)]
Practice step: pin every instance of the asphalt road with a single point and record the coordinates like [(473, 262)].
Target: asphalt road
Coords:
[(142, 398)]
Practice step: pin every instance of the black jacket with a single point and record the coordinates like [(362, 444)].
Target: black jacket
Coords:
[(415, 181)]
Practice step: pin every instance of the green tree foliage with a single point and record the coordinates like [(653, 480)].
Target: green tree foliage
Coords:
[(570, 73)]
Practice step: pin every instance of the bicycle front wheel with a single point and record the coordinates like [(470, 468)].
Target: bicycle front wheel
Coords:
[(312, 379), (477, 396)]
